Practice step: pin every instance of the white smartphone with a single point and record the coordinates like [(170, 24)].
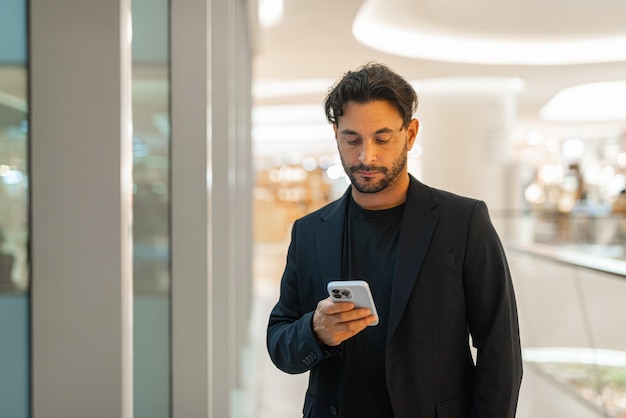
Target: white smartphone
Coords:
[(355, 291)]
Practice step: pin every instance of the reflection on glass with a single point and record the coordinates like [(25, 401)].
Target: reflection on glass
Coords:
[(151, 196), (597, 376), (14, 230), (13, 179)]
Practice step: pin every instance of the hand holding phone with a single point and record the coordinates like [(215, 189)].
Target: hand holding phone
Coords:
[(355, 291)]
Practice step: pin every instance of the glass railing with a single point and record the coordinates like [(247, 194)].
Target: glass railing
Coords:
[(570, 283)]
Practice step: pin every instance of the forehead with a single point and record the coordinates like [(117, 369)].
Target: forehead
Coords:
[(374, 114)]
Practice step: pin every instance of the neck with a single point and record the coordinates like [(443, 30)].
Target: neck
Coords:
[(390, 197)]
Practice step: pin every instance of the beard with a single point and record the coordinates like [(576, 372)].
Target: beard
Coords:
[(370, 185)]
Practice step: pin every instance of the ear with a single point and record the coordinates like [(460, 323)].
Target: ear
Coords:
[(335, 129), (411, 132)]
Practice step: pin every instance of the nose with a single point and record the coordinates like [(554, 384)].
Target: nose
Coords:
[(368, 153)]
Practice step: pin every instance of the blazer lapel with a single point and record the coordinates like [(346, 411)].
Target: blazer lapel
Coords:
[(418, 225), (329, 240)]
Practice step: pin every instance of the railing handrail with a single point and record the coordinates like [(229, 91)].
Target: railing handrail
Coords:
[(573, 258)]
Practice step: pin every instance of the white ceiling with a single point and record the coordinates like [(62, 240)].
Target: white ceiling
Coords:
[(315, 40)]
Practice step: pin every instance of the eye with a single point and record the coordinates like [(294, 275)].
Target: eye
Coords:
[(352, 140)]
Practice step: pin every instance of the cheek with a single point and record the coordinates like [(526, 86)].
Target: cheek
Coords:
[(348, 153)]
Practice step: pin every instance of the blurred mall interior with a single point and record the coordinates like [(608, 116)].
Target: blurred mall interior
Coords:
[(155, 153)]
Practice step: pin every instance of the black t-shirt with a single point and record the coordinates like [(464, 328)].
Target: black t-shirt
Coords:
[(370, 255)]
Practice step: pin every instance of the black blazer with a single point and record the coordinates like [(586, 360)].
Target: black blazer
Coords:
[(451, 280)]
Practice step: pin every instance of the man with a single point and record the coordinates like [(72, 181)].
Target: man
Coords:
[(437, 271)]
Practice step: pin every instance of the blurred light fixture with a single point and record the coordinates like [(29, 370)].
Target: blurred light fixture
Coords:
[(270, 12), (10, 175), (289, 115), (607, 174), (296, 128), (573, 148), (334, 172), (267, 88), (309, 163), (552, 145), (413, 35), (551, 174), (325, 161), (291, 133), (594, 102), (534, 193), (616, 184), (534, 137), (290, 123)]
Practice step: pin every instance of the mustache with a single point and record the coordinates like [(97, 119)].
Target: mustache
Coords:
[(363, 167)]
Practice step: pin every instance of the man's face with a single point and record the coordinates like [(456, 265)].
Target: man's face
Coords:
[(373, 145)]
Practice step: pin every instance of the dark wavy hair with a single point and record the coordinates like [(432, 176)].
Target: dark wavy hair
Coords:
[(373, 81)]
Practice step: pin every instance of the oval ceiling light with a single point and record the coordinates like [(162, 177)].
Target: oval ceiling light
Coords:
[(455, 85), (419, 29), (594, 102)]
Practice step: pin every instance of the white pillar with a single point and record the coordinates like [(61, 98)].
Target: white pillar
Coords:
[(242, 259), (191, 217), (211, 203), (223, 209), (465, 131), (80, 69)]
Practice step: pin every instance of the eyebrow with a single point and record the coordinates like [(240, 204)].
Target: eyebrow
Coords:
[(380, 131)]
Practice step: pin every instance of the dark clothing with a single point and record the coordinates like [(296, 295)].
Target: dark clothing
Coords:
[(370, 255), (450, 280)]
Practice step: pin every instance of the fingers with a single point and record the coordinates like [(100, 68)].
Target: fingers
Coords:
[(327, 306), (342, 331), (342, 312), (334, 323)]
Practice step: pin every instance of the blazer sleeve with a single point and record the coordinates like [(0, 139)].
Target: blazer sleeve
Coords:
[(492, 318), (291, 342)]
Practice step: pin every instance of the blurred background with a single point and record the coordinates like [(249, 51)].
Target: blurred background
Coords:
[(522, 104)]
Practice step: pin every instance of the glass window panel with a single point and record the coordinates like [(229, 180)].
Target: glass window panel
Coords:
[(151, 208), (14, 223)]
